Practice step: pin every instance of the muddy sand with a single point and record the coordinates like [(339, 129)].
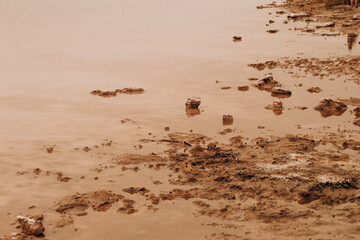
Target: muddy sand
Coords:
[(236, 120)]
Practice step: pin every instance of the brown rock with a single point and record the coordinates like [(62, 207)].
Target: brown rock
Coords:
[(192, 104), (276, 107), (267, 84), (314, 90), (328, 107), (31, 225), (130, 91), (357, 123), (281, 93)]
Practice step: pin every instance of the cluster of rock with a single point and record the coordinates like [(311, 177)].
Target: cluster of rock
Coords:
[(118, 91)]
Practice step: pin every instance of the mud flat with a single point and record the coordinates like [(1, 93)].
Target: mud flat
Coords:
[(195, 152)]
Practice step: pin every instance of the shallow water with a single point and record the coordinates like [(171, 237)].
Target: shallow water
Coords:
[(54, 53)]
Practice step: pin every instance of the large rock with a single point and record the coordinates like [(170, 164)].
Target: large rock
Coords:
[(328, 107), (32, 226)]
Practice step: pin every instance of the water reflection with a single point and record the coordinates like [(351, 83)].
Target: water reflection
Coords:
[(192, 112), (228, 120), (351, 40)]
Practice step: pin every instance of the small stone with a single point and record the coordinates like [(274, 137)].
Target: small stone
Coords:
[(192, 104), (314, 90)]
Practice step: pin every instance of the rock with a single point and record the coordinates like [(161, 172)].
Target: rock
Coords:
[(243, 88), (21, 236), (228, 120), (326, 25), (50, 149), (237, 38), (77, 204), (328, 107), (121, 91), (104, 93), (267, 84), (237, 141), (192, 104), (226, 88), (357, 112), (314, 90), (278, 92), (273, 30), (130, 91), (357, 122), (298, 16), (32, 226), (276, 107), (86, 149)]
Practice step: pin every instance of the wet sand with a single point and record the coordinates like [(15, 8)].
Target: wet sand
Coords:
[(58, 139)]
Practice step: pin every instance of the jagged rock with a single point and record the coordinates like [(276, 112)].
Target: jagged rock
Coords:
[(328, 107), (267, 83), (192, 104), (32, 226)]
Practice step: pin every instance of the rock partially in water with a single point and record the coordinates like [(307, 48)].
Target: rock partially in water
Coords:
[(314, 90), (276, 107), (357, 112), (192, 104), (130, 91), (237, 38), (267, 84), (328, 107), (280, 93)]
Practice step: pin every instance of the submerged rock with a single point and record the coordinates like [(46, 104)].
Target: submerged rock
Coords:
[(328, 107), (243, 88)]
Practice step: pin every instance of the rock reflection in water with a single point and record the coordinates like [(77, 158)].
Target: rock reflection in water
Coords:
[(192, 112), (228, 120), (351, 39)]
